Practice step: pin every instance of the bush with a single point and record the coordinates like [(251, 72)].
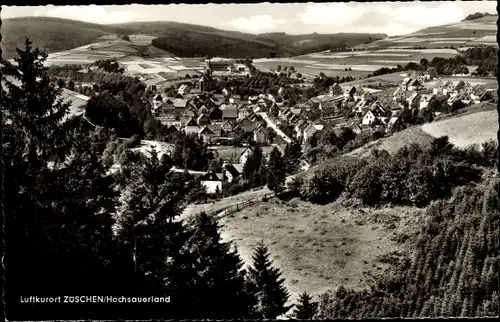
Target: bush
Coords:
[(323, 187), (366, 184)]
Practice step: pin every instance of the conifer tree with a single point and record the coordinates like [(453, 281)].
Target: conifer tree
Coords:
[(275, 171), (306, 309), (218, 289), (267, 285)]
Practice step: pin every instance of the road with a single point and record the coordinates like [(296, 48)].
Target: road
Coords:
[(273, 125)]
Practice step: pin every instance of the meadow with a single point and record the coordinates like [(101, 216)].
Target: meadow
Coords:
[(467, 129), (318, 247)]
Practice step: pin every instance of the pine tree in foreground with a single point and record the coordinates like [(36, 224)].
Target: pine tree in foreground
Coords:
[(306, 309), (218, 288), (267, 285)]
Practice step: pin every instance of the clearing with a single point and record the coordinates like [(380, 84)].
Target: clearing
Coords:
[(317, 247), (466, 129)]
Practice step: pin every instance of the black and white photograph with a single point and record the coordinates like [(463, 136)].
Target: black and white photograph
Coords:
[(250, 161)]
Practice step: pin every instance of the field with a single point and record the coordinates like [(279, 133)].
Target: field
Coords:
[(137, 56), (319, 248), (362, 63), (460, 34), (467, 129)]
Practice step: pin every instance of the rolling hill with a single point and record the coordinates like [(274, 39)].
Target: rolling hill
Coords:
[(460, 34), (187, 40), (49, 34)]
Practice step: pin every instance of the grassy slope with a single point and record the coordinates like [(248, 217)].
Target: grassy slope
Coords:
[(54, 34), (320, 247), (49, 34), (454, 30), (476, 124), (464, 130)]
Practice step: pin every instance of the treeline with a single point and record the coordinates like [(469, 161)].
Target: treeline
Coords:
[(477, 15), (75, 229), (413, 176), (322, 82), (272, 171), (485, 57), (453, 271), (109, 66)]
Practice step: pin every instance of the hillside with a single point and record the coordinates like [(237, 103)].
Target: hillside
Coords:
[(54, 34), (49, 34), (461, 34)]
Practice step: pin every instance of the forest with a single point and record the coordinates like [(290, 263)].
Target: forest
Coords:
[(72, 228)]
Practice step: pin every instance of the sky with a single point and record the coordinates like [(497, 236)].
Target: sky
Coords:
[(391, 18)]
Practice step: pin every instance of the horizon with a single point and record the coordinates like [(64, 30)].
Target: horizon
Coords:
[(398, 18)]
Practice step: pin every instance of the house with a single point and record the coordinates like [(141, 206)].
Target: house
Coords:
[(203, 120), (189, 114), (167, 107), (395, 124), (203, 110), (259, 135), (377, 108), (293, 119), (245, 155), (190, 130), (243, 113), (190, 122), (299, 126), (349, 92), (180, 103), (229, 112), (184, 89), (405, 82), (448, 88), (216, 129), (399, 94), (308, 132), (227, 127), (369, 118), (336, 90), (439, 87), (414, 85), (361, 108), (424, 100), (377, 111), (205, 82), (212, 181), (354, 126), (248, 125), (215, 114), (359, 93), (206, 134), (479, 94), (231, 172), (413, 100)]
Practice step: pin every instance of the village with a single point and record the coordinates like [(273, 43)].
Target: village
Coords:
[(219, 118), (233, 122)]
